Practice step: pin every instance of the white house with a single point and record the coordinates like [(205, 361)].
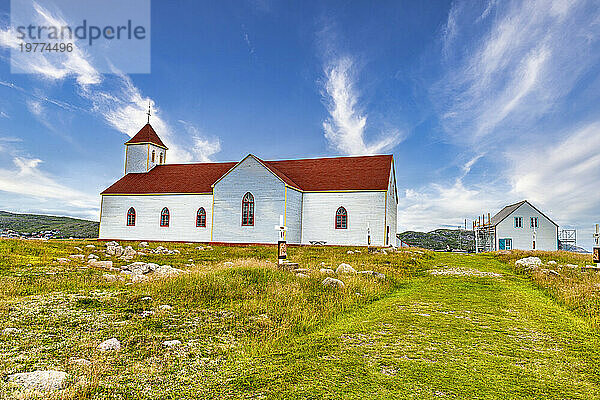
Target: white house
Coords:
[(339, 201), (524, 227)]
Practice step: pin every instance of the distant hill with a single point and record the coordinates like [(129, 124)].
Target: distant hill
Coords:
[(574, 249), (31, 223), (440, 238)]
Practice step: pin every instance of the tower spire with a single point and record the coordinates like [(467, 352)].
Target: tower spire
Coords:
[(149, 111)]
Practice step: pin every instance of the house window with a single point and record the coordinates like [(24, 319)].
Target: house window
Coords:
[(533, 222), (341, 218), (131, 217), (164, 217), (160, 158), (153, 154), (201, 218), (248, 210), (518, 222)]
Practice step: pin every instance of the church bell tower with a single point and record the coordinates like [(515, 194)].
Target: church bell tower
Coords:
[(144, 151)]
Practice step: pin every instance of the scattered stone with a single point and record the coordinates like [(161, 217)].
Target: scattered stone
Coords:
[(199, 248), (147, 298), (139, 278), (143, 244), (327, 271), (345, 269), (572, 266), (171, 343), (100, 264), (332, 282), (165, 307), (90, 246), (62, 260), (289, 266), (80, 361), (10, 331), (79, 249), (445, 270), (529, 262), (129, 252), (228, 264), (374, 274), (349, 252), (77, 257), (111, 344), (146, 314), (357, 251), (41, 380), (110, 277), (552, 262), (301, 275)]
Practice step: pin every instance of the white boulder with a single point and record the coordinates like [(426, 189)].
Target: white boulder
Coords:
[(345, 269), (41, 380), (529, 262), (111, 344), (333, 283), (171, 343), (327, 271)]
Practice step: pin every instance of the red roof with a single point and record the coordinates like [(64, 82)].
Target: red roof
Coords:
[(314, 174), (146, 135)]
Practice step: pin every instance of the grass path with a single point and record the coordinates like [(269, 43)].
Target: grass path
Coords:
[(439, 337)]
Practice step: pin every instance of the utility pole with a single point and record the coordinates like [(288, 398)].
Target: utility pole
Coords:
[(596, 250)]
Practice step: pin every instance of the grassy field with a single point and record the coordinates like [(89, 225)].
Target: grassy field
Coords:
[(477, 328)]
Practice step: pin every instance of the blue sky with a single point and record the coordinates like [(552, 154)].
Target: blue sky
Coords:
[(481, 103)]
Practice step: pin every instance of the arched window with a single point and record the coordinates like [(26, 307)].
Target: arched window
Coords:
[(153, 154), (164, 217), (201, 218), (341, 218), (248, 210), (161, 158), (131, 217)]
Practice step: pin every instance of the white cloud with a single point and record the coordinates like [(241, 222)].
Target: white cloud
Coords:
[(204, 148), (345, 127), (522, 63), (28, 180), (35, 107)]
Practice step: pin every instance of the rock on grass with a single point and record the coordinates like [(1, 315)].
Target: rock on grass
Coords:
[(41, 380), (333, 283), (345, 269), (112, 344)]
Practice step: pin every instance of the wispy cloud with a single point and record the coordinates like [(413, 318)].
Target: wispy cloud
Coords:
[(27, 179), (203, 148), (520, 66), (345, 128)]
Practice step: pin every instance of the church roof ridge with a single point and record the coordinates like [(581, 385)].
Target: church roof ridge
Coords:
[(147, 135)]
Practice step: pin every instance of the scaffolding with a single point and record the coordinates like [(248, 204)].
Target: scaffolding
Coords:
[(485, 234), (567, 238)]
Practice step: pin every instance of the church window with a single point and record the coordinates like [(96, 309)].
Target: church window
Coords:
[(131, 217), (153, 154), (341, 218), (248, 210), (164, 217), (201, 218), (161, 158)]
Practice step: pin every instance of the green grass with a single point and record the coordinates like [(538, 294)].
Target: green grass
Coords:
[(254, 331)]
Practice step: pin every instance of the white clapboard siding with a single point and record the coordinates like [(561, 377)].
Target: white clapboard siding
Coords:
[(182, 209), (139, 157), (269, 203), (364, 208), (293, 215), (392, 210), (522, 238)]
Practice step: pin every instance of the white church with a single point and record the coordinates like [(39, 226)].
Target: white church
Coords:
[(334, 201)]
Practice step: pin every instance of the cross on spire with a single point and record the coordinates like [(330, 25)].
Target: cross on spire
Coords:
[(149, 112)]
